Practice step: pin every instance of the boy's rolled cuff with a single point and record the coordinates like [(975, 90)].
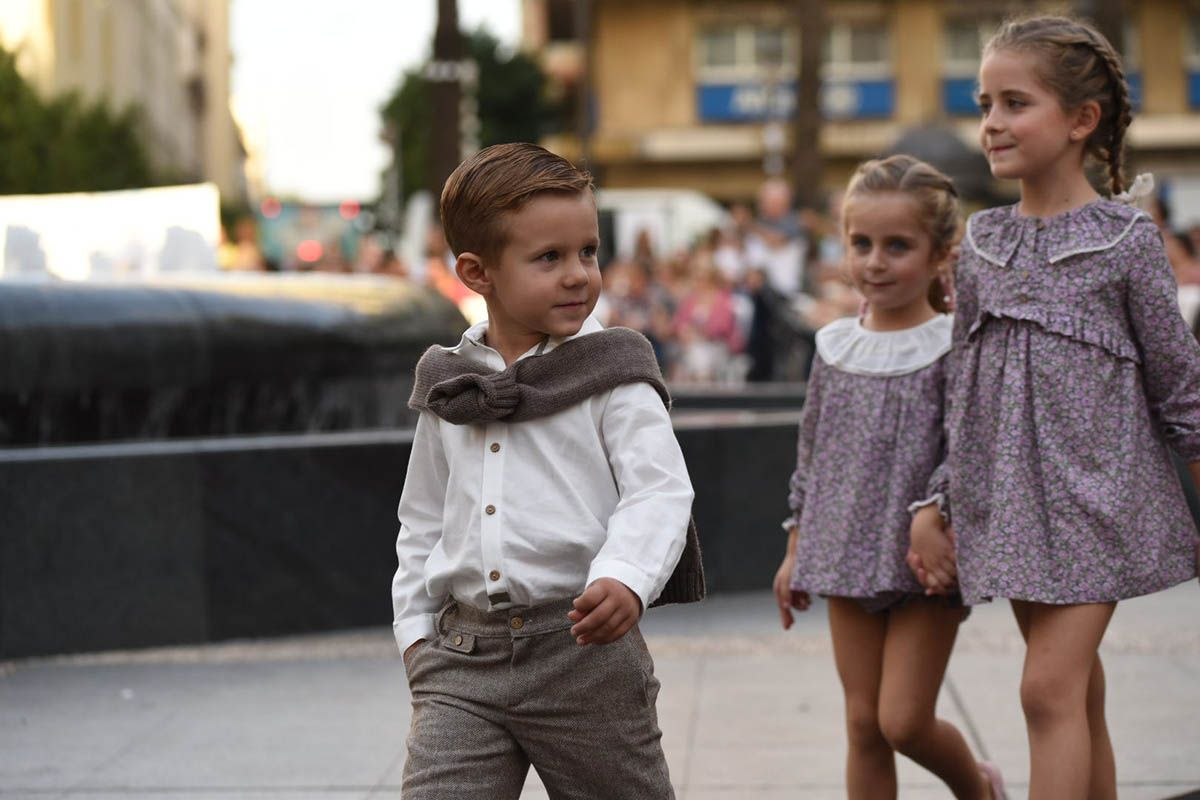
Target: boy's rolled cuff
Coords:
[(937, 498), (407, 631), (633, 578)]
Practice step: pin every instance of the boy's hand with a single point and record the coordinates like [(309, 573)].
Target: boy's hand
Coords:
[(931, 554), (412, 648), (786, 597), (605, 612)]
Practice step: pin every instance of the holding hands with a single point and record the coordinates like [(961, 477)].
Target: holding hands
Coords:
[(931, 552), (605, 612)]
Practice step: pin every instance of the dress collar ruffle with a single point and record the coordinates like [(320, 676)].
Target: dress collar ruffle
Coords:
[(850, 347)]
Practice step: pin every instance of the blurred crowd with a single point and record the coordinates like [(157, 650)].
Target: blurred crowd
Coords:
[(742, 304)]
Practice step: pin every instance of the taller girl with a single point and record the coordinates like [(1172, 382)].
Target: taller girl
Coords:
[(1075, 371)]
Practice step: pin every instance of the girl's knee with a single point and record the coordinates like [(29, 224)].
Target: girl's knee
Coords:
[(1095, 693), (862, 724), (1046, 697), (905, 728)]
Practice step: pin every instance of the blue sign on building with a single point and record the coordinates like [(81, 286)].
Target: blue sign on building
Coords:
[(1194, 89), (753, 102)]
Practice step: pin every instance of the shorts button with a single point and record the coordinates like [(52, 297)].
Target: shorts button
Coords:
[(516, 623), (458, 639), (494, 575)]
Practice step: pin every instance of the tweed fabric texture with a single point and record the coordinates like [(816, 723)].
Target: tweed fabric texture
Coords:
[(497, 692)]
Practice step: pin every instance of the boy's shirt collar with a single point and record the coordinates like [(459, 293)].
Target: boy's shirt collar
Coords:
[(472, 344)]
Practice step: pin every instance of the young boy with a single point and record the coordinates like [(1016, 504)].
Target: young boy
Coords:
[(545, 507)]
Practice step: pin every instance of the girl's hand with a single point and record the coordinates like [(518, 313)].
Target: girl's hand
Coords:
[(931, 554), (786, 597)]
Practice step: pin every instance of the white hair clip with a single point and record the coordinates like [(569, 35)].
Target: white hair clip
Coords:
[(1142, 186)]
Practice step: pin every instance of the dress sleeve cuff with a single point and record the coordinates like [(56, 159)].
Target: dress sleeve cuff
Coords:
[(411, 629), (938, 498), (632, 577)]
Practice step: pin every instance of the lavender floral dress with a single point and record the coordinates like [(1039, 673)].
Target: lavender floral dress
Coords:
[(1073, 372), (870, 438)]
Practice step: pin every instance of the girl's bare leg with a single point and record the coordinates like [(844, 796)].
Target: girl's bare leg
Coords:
[(1060, 700), (858, 639), (920, 637)]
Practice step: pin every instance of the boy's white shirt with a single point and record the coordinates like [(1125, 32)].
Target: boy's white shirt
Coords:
[(598, 490)]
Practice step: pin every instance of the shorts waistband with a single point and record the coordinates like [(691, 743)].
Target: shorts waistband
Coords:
[(517, 621)]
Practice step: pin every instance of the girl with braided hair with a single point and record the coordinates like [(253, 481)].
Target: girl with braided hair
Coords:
[(1074, 372)]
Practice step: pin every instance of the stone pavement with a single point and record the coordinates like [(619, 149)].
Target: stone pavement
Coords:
[(747, 710)]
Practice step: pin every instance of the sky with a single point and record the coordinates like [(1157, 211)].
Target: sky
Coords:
[(309, 77)]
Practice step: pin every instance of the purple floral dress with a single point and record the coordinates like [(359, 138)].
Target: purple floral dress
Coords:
[(870, 438), (1073, 371)]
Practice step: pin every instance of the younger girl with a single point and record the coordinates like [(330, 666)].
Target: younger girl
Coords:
[(1074, 370), (870, 437)]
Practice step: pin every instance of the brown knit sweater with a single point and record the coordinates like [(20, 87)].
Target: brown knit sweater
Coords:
[(463, 392)]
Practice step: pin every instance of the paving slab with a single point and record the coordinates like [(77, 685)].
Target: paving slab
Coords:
[(747, 710)]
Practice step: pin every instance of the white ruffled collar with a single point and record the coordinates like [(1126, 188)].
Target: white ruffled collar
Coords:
[(848, 346)]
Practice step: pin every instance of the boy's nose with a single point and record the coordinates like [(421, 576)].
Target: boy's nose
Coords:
[(575, 273)]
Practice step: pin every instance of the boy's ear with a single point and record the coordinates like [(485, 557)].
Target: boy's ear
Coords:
[(1087, 117), (471, 272)]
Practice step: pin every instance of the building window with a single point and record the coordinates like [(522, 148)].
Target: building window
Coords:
[(962, 46), (746, 71)]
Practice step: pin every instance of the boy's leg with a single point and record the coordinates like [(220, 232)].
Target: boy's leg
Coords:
[(920, 637), (858, 639), (458, 746), (453, 753), (586, 717)]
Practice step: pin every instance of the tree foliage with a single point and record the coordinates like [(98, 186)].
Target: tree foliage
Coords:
[(64, 144), (511, 100)]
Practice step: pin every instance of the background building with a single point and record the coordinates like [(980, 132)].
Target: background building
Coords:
[(169, 57), (682, 93)]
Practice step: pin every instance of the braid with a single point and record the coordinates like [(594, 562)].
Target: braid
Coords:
[(1122, 115), (1079, 65)]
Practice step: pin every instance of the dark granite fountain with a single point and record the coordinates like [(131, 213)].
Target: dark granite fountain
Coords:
[(230, 355)]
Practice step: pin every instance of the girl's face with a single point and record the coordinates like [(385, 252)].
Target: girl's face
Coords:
[(1024, 131), (890, 257)]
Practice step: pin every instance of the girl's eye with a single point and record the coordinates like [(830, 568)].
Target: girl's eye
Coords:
[(549, 255), (588, 252), (898, 246), (1016, 104), (984, 108), (860, 244)]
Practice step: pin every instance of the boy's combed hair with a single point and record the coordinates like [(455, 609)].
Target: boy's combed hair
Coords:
[(496, 181), (936, 197), (1077, 64)]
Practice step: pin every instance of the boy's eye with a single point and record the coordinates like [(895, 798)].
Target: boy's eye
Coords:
[(549, 255), (1014, 103), (588, 252), (984, 108), (860, 243)]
